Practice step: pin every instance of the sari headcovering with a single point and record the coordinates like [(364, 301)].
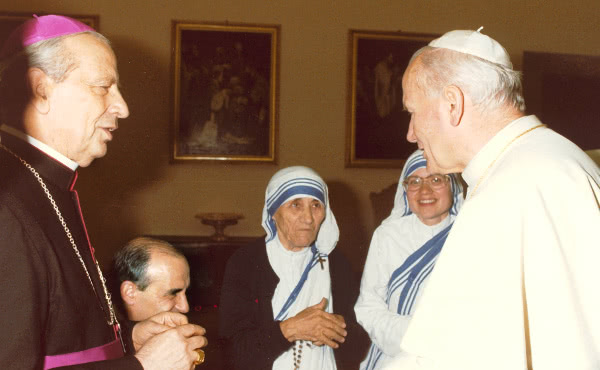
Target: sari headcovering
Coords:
[(413, 163), (299, 182)]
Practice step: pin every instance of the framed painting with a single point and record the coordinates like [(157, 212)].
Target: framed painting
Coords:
[(225, 91), (562, 90), (10, 20), (377, 123)]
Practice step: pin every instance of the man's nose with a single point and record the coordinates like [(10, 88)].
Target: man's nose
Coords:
[(182, 304), (118, 106), (410, 135)]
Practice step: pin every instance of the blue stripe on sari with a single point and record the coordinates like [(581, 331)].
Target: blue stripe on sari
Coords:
[(410, 276), (429, 251), (304, 190), (291, 184), (282, 315), (304, 186)]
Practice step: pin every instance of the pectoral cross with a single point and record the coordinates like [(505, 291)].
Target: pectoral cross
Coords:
[(321, 260)]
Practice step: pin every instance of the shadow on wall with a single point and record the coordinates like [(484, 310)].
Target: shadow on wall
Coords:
[(108, 185), (383, 202), (351, 219)]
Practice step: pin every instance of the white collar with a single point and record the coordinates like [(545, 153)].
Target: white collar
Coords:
[(494, 147), (41, 146)]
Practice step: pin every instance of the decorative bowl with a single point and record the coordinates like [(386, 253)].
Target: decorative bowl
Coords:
[(219, 221)]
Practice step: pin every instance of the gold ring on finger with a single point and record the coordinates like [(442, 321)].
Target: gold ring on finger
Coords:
[(200, 358)]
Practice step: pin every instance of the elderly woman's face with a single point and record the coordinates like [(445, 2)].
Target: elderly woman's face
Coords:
[(430, 204), (298, 222)]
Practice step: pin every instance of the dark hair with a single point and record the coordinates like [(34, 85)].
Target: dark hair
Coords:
[(131, 262)]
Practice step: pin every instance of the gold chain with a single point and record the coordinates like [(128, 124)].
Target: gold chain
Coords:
[(499, 154), (113, 318)]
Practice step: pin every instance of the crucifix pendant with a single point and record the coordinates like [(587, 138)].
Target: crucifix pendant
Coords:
[(321, 260)]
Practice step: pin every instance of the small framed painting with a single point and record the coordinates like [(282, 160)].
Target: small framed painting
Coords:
[(377, 123), (225, 91)]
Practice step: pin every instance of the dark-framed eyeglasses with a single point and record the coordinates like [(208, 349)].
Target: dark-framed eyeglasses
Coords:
[(435, 182)]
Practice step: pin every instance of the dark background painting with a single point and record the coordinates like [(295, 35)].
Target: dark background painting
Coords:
[(562, 90), (225, 93), (379, 119), (8, 23)]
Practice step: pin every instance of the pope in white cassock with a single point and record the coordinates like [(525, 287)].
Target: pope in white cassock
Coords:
[(516, 284)]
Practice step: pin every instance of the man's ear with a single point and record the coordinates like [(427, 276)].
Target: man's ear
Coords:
[(40, 85), (128, 292), (455, 103)]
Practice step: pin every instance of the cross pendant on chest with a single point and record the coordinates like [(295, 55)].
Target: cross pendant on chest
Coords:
[(321, 260)]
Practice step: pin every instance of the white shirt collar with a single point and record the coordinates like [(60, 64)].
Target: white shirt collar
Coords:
[(41, 146)]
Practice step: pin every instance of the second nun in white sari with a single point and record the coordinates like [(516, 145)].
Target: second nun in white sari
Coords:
[(402, 254)]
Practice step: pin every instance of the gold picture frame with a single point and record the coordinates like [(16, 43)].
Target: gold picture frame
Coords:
[(10, 20), (376, 126), (225, 91)]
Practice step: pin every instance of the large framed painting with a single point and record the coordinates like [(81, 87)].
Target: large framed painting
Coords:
[(377, 123), (225, 91), (562, 90), (10, 20)]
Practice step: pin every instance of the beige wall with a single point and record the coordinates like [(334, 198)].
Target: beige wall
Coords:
[(134, 190)]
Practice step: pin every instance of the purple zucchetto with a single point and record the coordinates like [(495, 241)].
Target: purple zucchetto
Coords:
[(41, 28)]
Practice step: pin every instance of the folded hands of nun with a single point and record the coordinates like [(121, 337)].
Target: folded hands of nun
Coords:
[(316, 325)]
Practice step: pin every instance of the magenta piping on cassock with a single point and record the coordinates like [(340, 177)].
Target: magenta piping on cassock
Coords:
[(107, 351)]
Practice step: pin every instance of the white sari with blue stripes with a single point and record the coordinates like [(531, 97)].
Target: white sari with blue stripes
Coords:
[(303, 281), (402, 254)]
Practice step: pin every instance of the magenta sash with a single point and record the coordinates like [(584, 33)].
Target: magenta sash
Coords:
[(107, 351)]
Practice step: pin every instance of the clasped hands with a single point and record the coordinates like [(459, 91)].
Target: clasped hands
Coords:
[(316, 325), (167, 341)]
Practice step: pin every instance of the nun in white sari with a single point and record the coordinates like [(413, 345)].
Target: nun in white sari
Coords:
[(286, 303), (402, 254)]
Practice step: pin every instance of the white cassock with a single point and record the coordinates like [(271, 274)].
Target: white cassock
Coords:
[(517, 284)]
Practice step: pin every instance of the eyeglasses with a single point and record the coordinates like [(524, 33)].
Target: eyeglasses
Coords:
[(435, 182)]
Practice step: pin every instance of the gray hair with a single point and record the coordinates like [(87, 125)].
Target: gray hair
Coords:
[(489, 85), (131, 262), (51, 56)]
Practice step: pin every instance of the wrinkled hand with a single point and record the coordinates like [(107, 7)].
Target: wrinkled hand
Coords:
[(144, 330), (172, 348), (315, 325), (341, 318)]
